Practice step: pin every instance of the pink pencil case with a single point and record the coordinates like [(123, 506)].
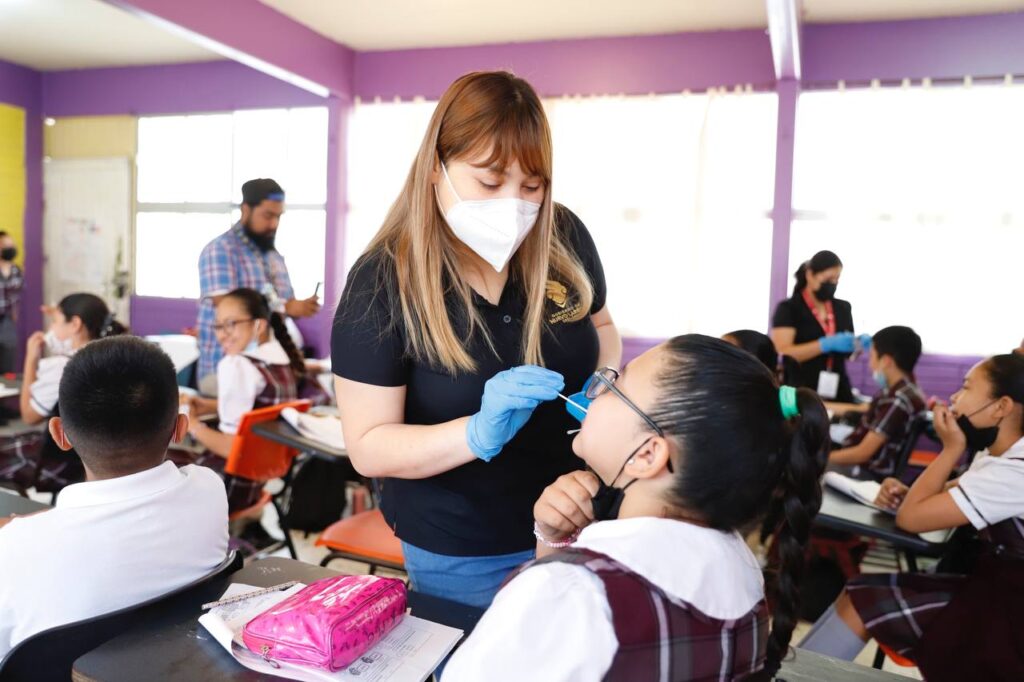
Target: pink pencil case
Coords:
[(329, 623)]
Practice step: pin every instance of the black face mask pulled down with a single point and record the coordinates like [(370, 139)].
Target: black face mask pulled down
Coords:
[(978, 439), (264, 242), (826, 292), (608, 499)]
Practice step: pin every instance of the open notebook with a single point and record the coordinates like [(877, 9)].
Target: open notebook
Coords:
[(864, 492), (409, 653)]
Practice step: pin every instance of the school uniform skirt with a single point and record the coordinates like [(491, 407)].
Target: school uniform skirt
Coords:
[(953, 627)]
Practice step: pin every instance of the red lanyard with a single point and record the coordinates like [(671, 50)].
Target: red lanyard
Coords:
[(826, 322)]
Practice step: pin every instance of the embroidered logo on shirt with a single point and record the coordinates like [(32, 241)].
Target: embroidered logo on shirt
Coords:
[(567, 308)]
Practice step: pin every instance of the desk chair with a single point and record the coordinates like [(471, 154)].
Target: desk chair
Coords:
[(918, 427), (49, 655), (259, 459), (364, 537)]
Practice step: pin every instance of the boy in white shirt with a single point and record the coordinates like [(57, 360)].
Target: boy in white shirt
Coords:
[(138, 527)]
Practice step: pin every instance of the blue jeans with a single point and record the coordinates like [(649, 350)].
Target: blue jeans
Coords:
[(472, 580)]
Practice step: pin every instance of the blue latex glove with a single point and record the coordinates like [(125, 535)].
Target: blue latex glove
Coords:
[(837, 343), (865, 342), (510, 397)]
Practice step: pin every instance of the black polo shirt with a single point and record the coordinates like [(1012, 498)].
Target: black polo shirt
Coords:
[(793, 312), (480, 508)]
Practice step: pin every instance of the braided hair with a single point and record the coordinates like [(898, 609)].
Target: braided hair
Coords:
[(743, 460), (258, 308)]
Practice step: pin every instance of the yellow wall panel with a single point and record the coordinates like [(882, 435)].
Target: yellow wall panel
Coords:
[(12, 174), (91, 137)]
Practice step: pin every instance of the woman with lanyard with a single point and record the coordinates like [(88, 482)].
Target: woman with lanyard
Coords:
[(479, 301), (816, 329)]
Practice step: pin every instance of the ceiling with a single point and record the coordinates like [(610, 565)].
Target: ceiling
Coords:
[(396, 24), (50, 35)]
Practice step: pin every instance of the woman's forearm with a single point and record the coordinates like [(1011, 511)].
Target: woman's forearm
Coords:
[(411, 451), (609, 343)]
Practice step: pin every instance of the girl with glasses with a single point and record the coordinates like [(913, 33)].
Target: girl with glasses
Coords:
[(642, 570)]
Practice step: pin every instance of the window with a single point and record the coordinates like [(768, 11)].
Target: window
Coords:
[(918, 191), (190, 173), (668, 186)]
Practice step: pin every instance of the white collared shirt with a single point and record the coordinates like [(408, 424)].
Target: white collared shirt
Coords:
[(110, 544), (992, 489), (555, 617), (43, 391), (239, 382)]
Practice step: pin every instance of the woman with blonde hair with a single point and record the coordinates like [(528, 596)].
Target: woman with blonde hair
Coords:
[(479, 300)]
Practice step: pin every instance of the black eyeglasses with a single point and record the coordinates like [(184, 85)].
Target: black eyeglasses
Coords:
[(604, 380), (229, 325)]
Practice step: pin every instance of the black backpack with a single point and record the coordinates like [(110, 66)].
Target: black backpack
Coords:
[(317, 495)]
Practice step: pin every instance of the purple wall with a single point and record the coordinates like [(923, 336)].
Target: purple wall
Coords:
[(23, 88), (666, 63), (988, 45), (173, 89), (152, 315)]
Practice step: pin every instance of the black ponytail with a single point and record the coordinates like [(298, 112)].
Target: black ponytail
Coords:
[(795, 504), (823, 260), (741, 459), (97, 319), (1006, 372), (258, 308), (295, 359)]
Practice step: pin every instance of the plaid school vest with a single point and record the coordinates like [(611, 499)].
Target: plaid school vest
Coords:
[(665, 639), (281, 386)]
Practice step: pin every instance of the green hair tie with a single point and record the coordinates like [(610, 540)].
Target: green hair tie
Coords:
[(787, 401)]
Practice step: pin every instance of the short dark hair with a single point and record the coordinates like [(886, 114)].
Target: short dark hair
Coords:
[(902, 344), (757, 344), (255, 192), (118, 403)]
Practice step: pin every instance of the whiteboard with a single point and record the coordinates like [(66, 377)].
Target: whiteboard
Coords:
[(87, 230)]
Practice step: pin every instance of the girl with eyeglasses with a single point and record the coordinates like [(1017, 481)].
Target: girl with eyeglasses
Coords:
[(642, 570), (261, 367)]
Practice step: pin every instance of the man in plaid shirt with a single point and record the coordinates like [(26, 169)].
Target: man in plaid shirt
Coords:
[(11, 281), (882, 433), (245, 256)]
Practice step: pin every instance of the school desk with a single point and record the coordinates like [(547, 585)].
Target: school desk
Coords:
[(280, 431), (175, 647), (839, 512)]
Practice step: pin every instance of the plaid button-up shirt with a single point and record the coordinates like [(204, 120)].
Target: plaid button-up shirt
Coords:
[(231, 261), (10, 290)]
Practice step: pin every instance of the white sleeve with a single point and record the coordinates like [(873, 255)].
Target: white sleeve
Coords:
[(44, 390), (992, 491), (238, 384), (551, 622)]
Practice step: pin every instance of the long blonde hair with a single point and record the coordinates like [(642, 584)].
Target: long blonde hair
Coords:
[(480, 111)]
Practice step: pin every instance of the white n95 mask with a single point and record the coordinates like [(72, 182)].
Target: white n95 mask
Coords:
[(55, 346), (493, 228)]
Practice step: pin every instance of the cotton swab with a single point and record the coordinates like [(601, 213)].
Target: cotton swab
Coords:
[(573, 403)]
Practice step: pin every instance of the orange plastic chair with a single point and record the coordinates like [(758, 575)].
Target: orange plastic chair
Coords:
[(922, 458), (364, 537), (884, 651), (259, 459)]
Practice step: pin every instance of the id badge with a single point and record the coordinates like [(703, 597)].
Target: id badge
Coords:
[(828, 384)]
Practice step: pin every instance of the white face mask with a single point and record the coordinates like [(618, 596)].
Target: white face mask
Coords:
[(56, 346), (493, 228)]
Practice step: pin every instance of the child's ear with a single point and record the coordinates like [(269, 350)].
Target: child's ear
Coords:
[(56, 427), (180, 428), (650, 460)]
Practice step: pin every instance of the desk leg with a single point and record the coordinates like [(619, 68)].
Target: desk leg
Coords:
[(281, 521), (911, 561)]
